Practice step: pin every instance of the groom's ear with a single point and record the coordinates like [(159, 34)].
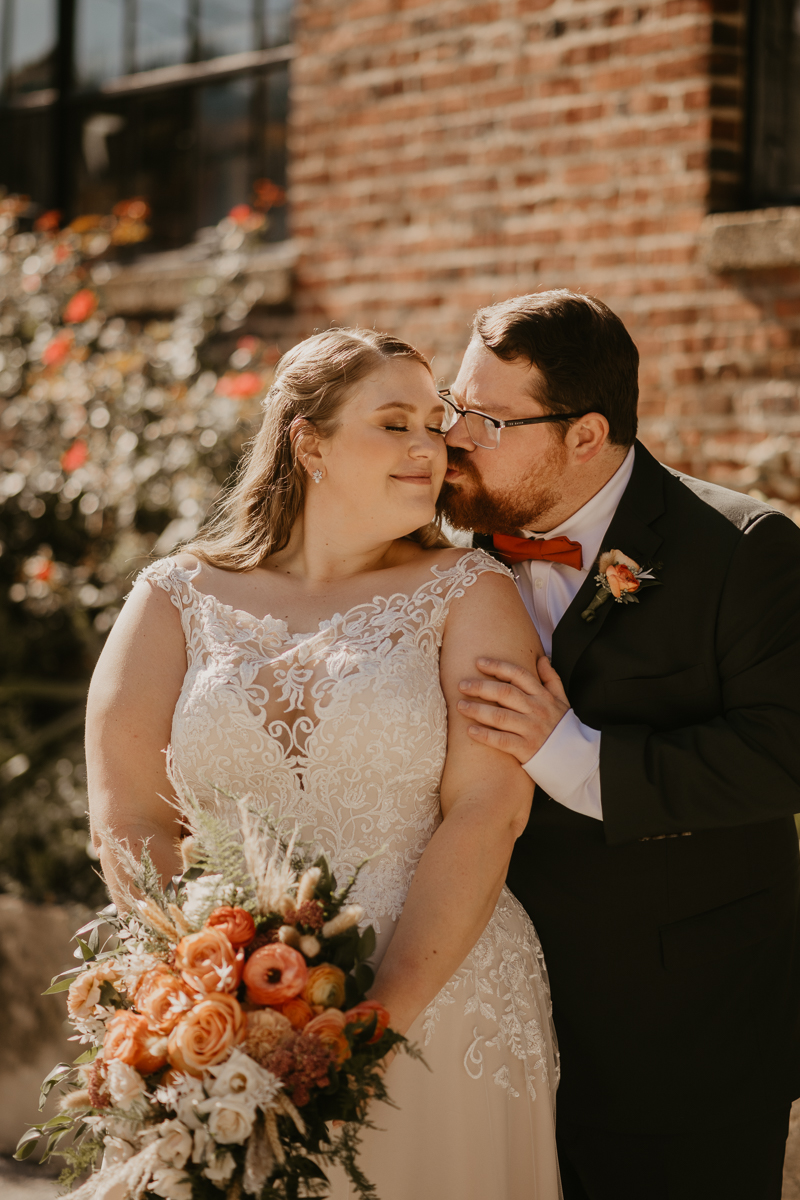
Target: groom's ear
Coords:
[(587, 436)]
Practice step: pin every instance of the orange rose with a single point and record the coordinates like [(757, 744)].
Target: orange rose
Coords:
[(206, 1034), (362, 1016), (329, 1028), (236, 923), (297, 1011), (161, 998), (621, 579), (325, 986), (130, 1039), (208, 962), (275, 974)]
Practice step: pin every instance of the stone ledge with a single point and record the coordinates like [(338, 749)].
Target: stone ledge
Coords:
[(161, 283), (751, 241)]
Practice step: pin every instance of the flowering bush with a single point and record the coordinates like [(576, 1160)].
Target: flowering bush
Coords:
[(227, 1027), (115, 437)]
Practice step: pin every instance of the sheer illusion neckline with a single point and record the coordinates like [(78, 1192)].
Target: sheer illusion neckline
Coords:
[(279, 625)]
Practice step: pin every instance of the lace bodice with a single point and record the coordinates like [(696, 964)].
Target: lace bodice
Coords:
[(343, 730)]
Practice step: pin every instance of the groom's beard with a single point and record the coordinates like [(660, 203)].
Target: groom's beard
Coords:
[(472, 506)]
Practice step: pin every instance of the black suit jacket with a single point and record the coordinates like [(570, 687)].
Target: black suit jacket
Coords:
[(671, 930)]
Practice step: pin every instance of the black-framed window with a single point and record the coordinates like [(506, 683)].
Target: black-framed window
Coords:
[(774, 89), (183, 102)]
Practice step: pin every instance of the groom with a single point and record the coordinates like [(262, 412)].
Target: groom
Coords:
[(660, 863)]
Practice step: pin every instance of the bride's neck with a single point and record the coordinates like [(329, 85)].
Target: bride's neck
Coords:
[(324, 552)]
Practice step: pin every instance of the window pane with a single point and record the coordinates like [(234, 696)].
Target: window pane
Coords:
[(775, 103), (225, 146), (277, 22), (162, 33), (99, 39), (226, 27), (31, 53)]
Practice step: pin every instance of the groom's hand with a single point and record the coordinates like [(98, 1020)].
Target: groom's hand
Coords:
[(519, 710)]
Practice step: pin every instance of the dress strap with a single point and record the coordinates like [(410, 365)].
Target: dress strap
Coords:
[(173, 579)]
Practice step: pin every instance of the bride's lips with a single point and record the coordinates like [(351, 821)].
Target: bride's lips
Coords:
[(413, 478)]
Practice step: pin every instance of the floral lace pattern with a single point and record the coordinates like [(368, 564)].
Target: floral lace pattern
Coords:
[(344, 730), (504, 981)]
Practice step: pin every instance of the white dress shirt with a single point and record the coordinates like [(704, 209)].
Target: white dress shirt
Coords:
[(567, 766)]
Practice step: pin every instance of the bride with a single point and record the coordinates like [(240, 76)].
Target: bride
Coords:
[(307, 648)]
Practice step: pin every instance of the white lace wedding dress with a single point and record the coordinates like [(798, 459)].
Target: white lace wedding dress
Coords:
[(345, 729)]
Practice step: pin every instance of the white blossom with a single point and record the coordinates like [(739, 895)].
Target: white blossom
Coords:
[(117, 1150), (171, 1183), (240, 1076), (125, 1084), (220, 1169), (174, 1142), (230, 1119)]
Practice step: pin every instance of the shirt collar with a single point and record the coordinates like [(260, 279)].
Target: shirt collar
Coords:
[(589, 524)]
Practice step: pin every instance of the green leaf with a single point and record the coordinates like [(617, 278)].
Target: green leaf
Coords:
[(27, 1143), (94, 940), (60, 986), (84, 950), (365, 976), (110, 996), (88, 1056), (58, 1073), (366, 944)]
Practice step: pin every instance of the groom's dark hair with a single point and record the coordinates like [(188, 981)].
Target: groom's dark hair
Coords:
[(582, 349)]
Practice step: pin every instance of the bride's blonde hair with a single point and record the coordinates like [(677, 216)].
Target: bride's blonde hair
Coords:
[(255, 517)]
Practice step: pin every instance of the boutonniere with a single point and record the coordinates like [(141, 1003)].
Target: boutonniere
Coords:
[(619, 578)]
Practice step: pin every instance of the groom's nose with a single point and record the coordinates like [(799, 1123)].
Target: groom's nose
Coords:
[(457, 436)]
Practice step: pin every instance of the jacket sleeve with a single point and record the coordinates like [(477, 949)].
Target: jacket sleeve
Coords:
[(743, 766)]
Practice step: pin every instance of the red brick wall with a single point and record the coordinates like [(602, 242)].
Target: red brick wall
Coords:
[(448, 153)]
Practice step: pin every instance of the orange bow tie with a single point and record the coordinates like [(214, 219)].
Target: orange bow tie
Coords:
[(557, 549)]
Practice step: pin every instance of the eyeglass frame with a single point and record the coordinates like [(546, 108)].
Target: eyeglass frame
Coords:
[(445, 393)]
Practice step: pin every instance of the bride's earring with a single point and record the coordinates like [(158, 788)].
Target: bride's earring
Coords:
[(317, 476)]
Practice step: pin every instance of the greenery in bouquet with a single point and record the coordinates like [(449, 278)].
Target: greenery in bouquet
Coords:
[(227, 1026), (116, 435)]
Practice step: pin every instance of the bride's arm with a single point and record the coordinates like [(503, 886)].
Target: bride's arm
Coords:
[(486, 799), (132, 697)]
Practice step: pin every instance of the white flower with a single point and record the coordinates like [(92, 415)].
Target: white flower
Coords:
[(240, 1076), (117, 1150), (201, 896), (171, 1183), (221, 1168), (230, 1119), (124, 1083), (174, 1143), (182, 1096)]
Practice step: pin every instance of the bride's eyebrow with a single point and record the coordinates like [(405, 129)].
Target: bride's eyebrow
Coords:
[(412, 408)]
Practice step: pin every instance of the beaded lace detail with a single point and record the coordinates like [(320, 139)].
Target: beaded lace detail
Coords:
[(344, 730)]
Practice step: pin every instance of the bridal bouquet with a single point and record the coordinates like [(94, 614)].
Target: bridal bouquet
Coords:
[(227, 1027)]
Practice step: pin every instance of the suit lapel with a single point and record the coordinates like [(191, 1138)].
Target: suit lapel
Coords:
[(630, 532)]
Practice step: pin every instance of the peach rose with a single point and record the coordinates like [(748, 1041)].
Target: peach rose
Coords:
[(329, 1028), (206, 1035), (236, 923), (84, 991), (130, 1039), (208, 961), (325, 986), (275, 974), (161, 998), (621, 579), (362, 1016), (297, 1011)]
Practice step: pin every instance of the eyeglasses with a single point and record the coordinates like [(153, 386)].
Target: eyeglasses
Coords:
[(485, 430)]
